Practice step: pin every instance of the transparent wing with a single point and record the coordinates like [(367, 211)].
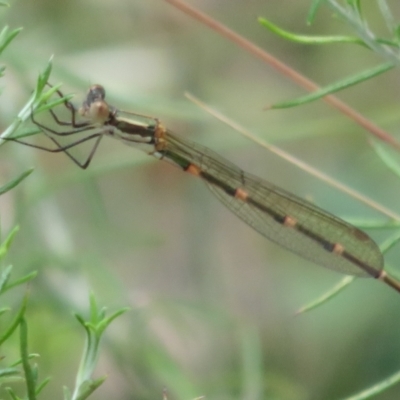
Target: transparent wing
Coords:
[(324, 230)]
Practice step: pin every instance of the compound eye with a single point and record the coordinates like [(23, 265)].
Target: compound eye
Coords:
[(95, 93)]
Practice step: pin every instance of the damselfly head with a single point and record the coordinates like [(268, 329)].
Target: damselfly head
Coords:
[(94, 107), (95, 93)]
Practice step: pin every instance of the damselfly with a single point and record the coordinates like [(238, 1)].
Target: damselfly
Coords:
[(280, 216)]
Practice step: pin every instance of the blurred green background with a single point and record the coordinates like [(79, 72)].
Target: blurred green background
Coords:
[(212, 302)]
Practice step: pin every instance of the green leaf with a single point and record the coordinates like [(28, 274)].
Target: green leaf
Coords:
[(42, 385), (12, 394), (8, 241), (390, 242), (46, 95), (21, 281), (3, 310), (93, 309), (33, 102), (4, 277), (6, 37), (88, 387), (31, 357), (94, 329), (43, 78), (388, 157), (107, 321), (396, 33), (51, 104), (377, 389), (313, 10), (26, 133), (346, 281), (345, 83), (356, 5), (4, 372), (30, 373), (81, 320), (16, 321), (388, 17), (305, 39), (10, 185)]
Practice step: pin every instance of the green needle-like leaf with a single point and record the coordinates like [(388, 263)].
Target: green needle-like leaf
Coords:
[(89, 387), (10, 185), (6, 37), (305, 39), (376, 389), (7, 242), (16, 321), (313, 10), (4, 372), (94, 329), (21, 281), (343, 84), (4, 277), (346, 281), (30, 373)]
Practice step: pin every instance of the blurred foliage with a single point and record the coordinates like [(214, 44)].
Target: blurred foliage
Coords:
[(212, 302)]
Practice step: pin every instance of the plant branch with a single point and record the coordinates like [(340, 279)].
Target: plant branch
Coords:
[(285, 70)]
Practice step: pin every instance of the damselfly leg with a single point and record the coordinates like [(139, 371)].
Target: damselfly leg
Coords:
[(71, 108), (76, 127)]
